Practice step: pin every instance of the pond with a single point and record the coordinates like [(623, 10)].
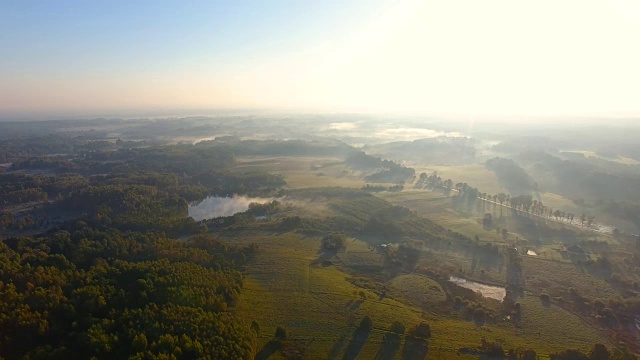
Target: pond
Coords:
[(492, 292), (213, 206)]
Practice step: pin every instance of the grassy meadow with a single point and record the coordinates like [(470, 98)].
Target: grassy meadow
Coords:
[(475, 175), (321, 303), (321, 308), (305, 172)]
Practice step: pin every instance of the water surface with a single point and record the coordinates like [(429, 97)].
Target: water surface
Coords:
[(489, 291), (213, 206)]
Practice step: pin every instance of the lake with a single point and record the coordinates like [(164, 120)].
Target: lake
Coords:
[(213, 206), (492, 292)]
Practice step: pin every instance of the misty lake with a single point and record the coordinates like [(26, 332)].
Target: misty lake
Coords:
[(492, 292), (213, 206)]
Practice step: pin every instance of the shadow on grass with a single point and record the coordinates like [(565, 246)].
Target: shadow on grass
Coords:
[(353, 305), (269, 349), (337, 348), (416, 343), (415, 349), (359, 338), (390, 343), (546, 302), (324, 258)]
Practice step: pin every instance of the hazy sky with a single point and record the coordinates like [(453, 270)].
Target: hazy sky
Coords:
[(489, 57)]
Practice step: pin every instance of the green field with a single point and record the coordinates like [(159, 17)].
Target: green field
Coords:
[(313, 258), (417, 290), (593, 154), (305, 172), (475, 175), (321, 304), (546, 270), (321, 308), (437, 207)]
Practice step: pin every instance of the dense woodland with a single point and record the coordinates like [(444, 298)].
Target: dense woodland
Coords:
[(109, 294)]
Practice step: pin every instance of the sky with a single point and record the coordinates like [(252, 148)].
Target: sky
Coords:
[(467, 57)]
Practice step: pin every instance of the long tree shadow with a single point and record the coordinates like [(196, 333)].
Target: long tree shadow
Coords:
[(324, 257), (359, 338), (269, 349), (416, 343), (391, 342), (353, 305), (337, 347), (415, 349)]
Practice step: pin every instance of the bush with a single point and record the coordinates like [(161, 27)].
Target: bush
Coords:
[(569, 355), (545, 298), (281, 333), (255, 326), (457, 303), (479, 316), (334, 242), (422, 331)]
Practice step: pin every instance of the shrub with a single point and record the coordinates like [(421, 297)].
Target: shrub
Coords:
[(281, 333), (334, 242), (479, 316)]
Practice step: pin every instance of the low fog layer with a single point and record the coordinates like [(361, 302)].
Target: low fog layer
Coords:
[(213, 207)]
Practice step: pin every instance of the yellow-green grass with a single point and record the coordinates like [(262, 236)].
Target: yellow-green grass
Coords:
[(469, 226), (358, 255), (312, 302), (316, 208), (556, 327), (318, 305), (282, 163), (556, 201), (619, 159), (453, 263), (486, 181), (423, 201), (546, 268), (298, 173), (543, 273), (616, 222), (312, 179), (548, 252), (437, 207), (475, 175), (417, 290)]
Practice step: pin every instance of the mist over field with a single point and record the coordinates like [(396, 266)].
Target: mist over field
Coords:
[(213, 207), (362, 179), (306, 225)]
